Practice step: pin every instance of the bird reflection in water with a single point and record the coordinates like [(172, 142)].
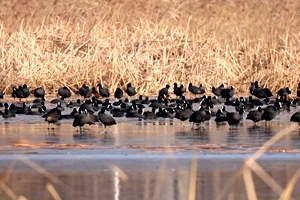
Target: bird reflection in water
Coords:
[(143, 122), (195, 136), (51, 137), (232, 135), (253, 130), (85, 138), (106, 139)]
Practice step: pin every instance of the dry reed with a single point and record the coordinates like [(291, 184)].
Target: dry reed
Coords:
[(149, 43)]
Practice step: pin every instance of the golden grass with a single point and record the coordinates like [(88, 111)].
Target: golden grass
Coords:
[(193, 178), (52, 191), (149, 43)]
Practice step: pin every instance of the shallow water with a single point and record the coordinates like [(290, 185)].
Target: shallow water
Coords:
[(144, 134), (156, 157)]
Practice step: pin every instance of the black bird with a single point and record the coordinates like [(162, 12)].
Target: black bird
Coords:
[(262, 93), (201, 87), (284, 106), (17, 93), (92, 119), (25, 91), (294, 102), (215, 101), (1, 94), (196, 90), (9, 111), (252, 87), (164, 92), (8, 114), (134, 112), (72, 115), (150, 114), (118, 112), (239, 103), (39, 93), (103, 91), (270, 112), (118, 93), (56, 101), (52, 116), (85, 91), (166, 113), (160, 103), (227, 92), (284, 92), (258, 92), (13, 108), (182, 90), (255, 115), (40, 111), (81, 119), (298, 90), (87, 105), (64, 92), (130, 91), (178, 91), (221, 115), (199, 116), (21, 108), (217, 91), (255, 102), (106, 119), (234, 118), (72, 104), (296, 118), (145, 101), (183, 113)]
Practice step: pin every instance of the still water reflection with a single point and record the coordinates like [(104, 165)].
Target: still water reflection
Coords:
[(166, 177), (130, 134)]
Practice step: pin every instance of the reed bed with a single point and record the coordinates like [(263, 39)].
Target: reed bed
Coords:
[(149, 43)]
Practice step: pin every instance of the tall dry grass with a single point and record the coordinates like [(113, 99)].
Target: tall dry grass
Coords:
[(149, 43)]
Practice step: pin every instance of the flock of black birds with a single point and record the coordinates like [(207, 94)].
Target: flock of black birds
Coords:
[(260, 105)]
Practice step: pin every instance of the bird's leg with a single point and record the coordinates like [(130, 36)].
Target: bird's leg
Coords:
[(200, 126), (268, 124)]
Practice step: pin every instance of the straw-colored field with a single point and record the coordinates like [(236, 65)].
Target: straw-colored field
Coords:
[(150, 43)]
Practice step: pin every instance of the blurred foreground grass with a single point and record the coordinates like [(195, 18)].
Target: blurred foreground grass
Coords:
[(189, 188)]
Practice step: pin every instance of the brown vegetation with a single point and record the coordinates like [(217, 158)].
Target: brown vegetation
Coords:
[(149, 43)]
